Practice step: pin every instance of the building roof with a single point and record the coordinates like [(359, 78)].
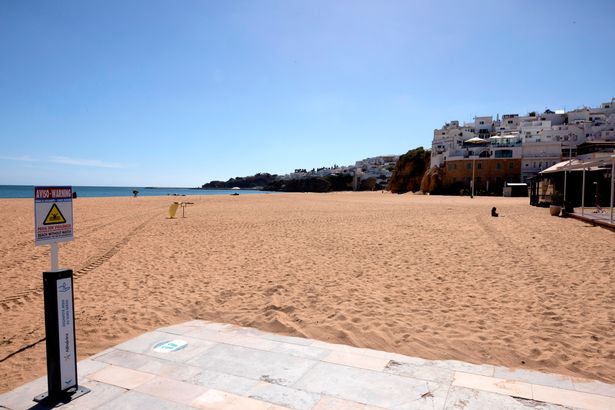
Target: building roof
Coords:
[(579, 165)]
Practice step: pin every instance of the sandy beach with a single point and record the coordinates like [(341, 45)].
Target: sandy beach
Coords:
[(428, 276)]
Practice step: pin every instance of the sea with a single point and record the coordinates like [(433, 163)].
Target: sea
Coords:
[(27, 191)]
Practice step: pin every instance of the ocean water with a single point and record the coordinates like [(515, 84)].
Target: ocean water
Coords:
[(27, 191)]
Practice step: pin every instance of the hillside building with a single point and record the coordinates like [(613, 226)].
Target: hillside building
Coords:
[(516, 148)]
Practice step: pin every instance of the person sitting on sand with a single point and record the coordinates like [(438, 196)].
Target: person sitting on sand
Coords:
[(493, 212)]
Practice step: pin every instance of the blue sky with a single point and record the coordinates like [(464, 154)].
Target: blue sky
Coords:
[(178, 93)]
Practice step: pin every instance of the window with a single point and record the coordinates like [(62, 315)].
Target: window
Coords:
[(511, 165), (483, 122), (498, 165), (479, 165), (509, 121), (469, 165), (503, 153)]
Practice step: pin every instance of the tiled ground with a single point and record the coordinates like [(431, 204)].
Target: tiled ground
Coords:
[(228, 367), (589, 215)]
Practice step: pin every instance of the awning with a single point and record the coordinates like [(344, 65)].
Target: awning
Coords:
[(476, 140), (579, 165)]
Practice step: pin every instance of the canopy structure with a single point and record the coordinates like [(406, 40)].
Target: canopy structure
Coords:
[(594, 164), (476, 140), (591, 164), (569, 165)]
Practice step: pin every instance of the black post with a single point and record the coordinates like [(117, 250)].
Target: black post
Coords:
[(60, 339)]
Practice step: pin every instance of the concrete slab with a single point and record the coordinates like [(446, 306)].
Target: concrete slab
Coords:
[(121, 377), (530, 376), (284, 396), (333, 403), (133, 400), (218, 400), (427, 373), (225, 382), (358, 360), (254, 364), (148, 364), (145, 344), (573, 398), (21, 397), (461, 398), (172, 390), (514, 388), (230, 367), (371, 387), (104, 393)]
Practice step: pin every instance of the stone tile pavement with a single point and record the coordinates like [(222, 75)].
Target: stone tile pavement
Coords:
[(219, 366)]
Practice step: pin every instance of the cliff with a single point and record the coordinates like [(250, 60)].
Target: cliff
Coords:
[(254, 181), (314, 184), (409, 171)]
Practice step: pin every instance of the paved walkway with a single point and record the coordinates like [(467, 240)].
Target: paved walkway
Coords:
[(597, 218), (229, 367)]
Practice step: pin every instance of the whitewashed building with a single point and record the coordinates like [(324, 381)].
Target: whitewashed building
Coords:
[(540, 140)]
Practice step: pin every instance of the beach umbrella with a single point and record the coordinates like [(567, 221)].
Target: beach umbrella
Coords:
[(476, 140)]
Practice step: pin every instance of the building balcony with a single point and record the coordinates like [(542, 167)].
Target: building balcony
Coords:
[(506, 144), (541, 155)]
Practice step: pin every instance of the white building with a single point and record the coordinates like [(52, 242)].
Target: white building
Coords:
[(540, 140)]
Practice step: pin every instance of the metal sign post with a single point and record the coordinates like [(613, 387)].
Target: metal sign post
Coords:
[(53, 220)]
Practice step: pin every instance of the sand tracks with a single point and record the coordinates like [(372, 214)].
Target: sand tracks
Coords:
[(21, 298)]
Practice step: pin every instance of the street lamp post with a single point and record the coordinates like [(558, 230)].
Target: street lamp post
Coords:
[(612, 184), (473, 168), (566, 171)]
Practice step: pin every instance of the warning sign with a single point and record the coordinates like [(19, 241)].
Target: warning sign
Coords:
[(53, 214)]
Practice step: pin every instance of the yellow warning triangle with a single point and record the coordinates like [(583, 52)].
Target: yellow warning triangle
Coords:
[(54, 216)]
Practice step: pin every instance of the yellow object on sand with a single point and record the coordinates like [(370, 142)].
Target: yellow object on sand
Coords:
[(173, 209)]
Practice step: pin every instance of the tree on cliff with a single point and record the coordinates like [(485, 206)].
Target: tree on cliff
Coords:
[(255, 181), (409, 171), (328, 183)]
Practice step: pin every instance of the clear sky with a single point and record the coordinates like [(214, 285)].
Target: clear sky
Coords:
[(177, 93)]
